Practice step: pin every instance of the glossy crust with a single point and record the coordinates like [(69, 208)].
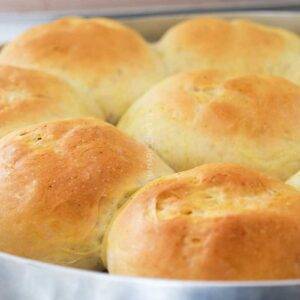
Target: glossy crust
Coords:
[(202, 117), (238, 46), (28, 97), (214, 222), (100, 57), (294, 180), (60, 183)]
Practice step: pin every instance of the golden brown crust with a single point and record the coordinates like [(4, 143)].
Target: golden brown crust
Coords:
[(207, 116), (237, 46), (28, 97), (60, 184), (215, 222), (101, 57)]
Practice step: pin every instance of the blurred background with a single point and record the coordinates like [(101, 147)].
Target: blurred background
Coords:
[(112, 5), (19, 15)]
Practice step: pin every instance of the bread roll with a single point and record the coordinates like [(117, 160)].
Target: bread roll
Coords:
[(100, 57), (202, 117), (294, 180), (238, 46), (60, 184), (28, 97), (214, 222)]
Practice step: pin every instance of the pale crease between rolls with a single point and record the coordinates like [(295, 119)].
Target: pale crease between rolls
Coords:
[(100, 57), (214, 222), (200, 117), (60, 184)]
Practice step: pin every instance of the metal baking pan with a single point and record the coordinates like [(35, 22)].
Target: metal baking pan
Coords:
[(31, 280)]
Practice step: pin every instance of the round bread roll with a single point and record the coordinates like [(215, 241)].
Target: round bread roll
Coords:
[(294, 181), (214, 222), (60, 184), (238, 46), (205, 117), (106, 60), (28, 97)]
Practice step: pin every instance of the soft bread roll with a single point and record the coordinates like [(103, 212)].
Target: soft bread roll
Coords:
[(214, 222), (28, 97), (238, 46), (101, 57), (202, 117), (294, 181), (60, 184)]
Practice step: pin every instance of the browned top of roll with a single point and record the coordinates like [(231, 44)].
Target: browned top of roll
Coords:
[(215, 222), (28, 97), (208, 116), (238, 46), (101, 57), (60, 183)]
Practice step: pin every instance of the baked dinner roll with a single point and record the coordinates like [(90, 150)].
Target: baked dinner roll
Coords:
[(214, 222), (294, 180), (238, 46), (28, 97), (100, 57), (203, 117), (60, 184)]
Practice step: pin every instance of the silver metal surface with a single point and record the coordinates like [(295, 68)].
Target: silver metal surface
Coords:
[(30, 280), (150, 26)]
